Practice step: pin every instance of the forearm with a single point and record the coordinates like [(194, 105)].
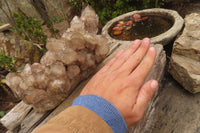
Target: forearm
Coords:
[(75, 119)]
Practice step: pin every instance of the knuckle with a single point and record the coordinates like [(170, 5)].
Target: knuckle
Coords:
[(125, 85), (116, 74), (137, 59)]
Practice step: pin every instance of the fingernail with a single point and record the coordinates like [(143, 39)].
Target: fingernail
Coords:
[(146, 40), (154, 84), (152, 49), (136, 41)]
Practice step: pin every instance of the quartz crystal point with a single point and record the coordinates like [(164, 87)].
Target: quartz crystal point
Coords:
[(68, 60), (90, 19)]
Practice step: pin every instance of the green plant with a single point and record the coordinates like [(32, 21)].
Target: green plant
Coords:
[(159, 3), (29, 28), (77, 4), (57, 19), (108, 9), (6, 62), (54, 32), (2, 114), (153, 3)]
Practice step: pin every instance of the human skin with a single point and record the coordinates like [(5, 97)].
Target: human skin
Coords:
[(121, 80)]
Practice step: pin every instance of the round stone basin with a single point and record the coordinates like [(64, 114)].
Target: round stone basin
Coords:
[(161, 26)]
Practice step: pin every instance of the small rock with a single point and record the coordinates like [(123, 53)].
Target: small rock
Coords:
[(118, 32), (121, 22), (129, 22), (145, 18), (118, 28), (119, 25), (136, 16), (128, 28), (115, 28)]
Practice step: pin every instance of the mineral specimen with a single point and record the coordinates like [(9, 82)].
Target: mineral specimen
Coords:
[(90, 19), (68, 60)]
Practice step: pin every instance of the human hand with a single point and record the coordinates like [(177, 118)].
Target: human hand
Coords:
[(120, 81)]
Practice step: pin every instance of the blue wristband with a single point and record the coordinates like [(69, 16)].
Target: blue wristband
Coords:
[(106, 110)]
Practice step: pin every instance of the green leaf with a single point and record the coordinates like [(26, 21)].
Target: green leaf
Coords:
[(3, 81), (57, 31), (6, 62), (2, 114)]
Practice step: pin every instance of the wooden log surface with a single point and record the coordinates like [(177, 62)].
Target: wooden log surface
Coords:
[(5, 27), (14, 117), (157, 73), (34, 120)]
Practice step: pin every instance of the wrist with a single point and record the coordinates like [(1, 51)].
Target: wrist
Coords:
[(106, 110)]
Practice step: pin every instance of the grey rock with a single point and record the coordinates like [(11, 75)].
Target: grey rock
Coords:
[(186, 71), (185, 61)]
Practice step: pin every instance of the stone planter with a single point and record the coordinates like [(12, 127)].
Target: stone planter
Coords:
[(163, 38)]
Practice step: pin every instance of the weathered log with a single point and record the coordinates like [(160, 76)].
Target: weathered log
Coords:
[(157, 73), (13, 118)]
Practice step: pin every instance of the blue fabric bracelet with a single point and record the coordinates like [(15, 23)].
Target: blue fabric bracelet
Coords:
[(107, 111)]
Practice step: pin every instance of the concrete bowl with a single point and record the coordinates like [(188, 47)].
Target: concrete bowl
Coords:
[(163, 38)]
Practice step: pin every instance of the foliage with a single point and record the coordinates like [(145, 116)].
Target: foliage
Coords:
[(57, 19), (6, 62), (108, 9), (153, 3), (2, 114), (54, 32), (77, 4), (29, 28)]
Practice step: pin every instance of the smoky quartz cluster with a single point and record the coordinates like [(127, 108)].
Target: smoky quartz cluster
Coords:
[(68, 60)]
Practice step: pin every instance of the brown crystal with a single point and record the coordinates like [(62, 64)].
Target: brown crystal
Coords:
[(68, 60)]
